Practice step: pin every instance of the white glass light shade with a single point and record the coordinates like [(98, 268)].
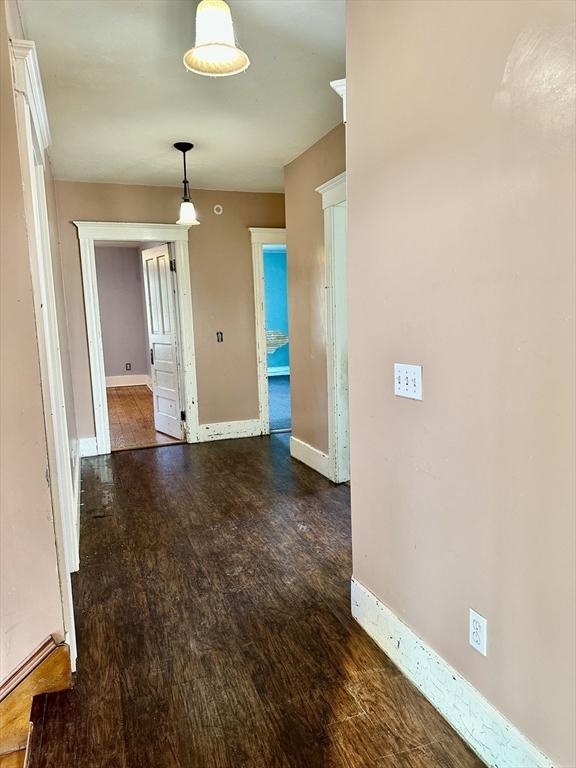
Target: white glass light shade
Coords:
[(187, 214), (215, 52)]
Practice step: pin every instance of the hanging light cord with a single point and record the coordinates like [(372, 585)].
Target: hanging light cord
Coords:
[(186, 197)]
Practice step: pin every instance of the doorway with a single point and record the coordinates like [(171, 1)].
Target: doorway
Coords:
[(167, 389), (136, 292), (277, 336), (269, 266)]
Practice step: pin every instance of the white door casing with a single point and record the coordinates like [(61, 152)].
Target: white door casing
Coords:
[(33, 140), (162, 339), (260, 237), (335, 231), (176, 236)]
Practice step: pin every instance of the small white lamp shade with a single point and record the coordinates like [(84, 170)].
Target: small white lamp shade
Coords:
[(215, 52), (187, 214)]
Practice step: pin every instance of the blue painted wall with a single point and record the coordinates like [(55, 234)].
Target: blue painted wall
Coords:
[(276, 303)]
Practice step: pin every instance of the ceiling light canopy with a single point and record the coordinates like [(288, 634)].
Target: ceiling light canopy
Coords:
[(215, 53), (187, 210)]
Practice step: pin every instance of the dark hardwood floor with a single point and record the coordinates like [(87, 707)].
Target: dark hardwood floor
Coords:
[(214, 627)]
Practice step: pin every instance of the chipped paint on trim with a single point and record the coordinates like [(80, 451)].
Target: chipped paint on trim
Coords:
[(494, 739)]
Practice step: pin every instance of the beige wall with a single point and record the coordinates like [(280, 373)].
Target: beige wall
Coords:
[(306, 284), (222, 292), (461, 258), (122, 317), (30, 607)]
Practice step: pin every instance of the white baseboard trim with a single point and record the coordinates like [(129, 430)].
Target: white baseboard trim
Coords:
[(227, 430), (130, 380), (88, 446), (311, 456), (279, 370), (494, 739)]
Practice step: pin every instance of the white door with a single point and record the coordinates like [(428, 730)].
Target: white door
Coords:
[(163, 340)]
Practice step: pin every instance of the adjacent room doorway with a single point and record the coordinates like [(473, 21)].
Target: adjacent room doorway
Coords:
[(277, 337), (269, 263), (144, 394), (139, 327)]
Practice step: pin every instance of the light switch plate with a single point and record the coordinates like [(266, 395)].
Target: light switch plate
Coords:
[(408, 381)]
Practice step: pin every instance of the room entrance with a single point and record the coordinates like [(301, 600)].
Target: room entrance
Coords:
[(141, 345), (277, 338), (269, 266), (136, 297)]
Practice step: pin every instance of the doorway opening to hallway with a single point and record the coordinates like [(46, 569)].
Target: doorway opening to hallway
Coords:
[(270, 271), (277, 337), (139, 330), (138, 306)]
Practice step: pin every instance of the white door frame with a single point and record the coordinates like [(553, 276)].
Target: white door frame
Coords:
[(260, 237), (335, 215), (33, 140), (176, 235)]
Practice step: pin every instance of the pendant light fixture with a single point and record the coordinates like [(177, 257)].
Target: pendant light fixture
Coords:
[(215, 52), (187, 210)]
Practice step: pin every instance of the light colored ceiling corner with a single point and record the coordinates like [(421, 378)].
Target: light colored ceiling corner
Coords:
[(118, 94)]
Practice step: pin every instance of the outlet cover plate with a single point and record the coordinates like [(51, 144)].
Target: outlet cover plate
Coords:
[(478, 629), (408, 381)]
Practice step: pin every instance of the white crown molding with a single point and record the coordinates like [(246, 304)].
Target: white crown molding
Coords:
[(340, 87), (29, 82), (106, 230), (333, 191)]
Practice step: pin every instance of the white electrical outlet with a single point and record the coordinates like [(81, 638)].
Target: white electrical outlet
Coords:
[(408, 381), (478, 629)]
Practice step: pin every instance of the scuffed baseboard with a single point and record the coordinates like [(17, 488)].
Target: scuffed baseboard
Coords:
[(228, 430), (494, 739), (311, 456), (88, 446)]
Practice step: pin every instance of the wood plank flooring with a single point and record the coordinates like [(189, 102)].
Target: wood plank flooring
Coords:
[(131, 417), (13, 759), (214, 628)]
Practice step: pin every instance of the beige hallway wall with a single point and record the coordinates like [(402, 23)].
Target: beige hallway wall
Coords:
[(462, 258), (306, 284), (30, 608), (222, 291)]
